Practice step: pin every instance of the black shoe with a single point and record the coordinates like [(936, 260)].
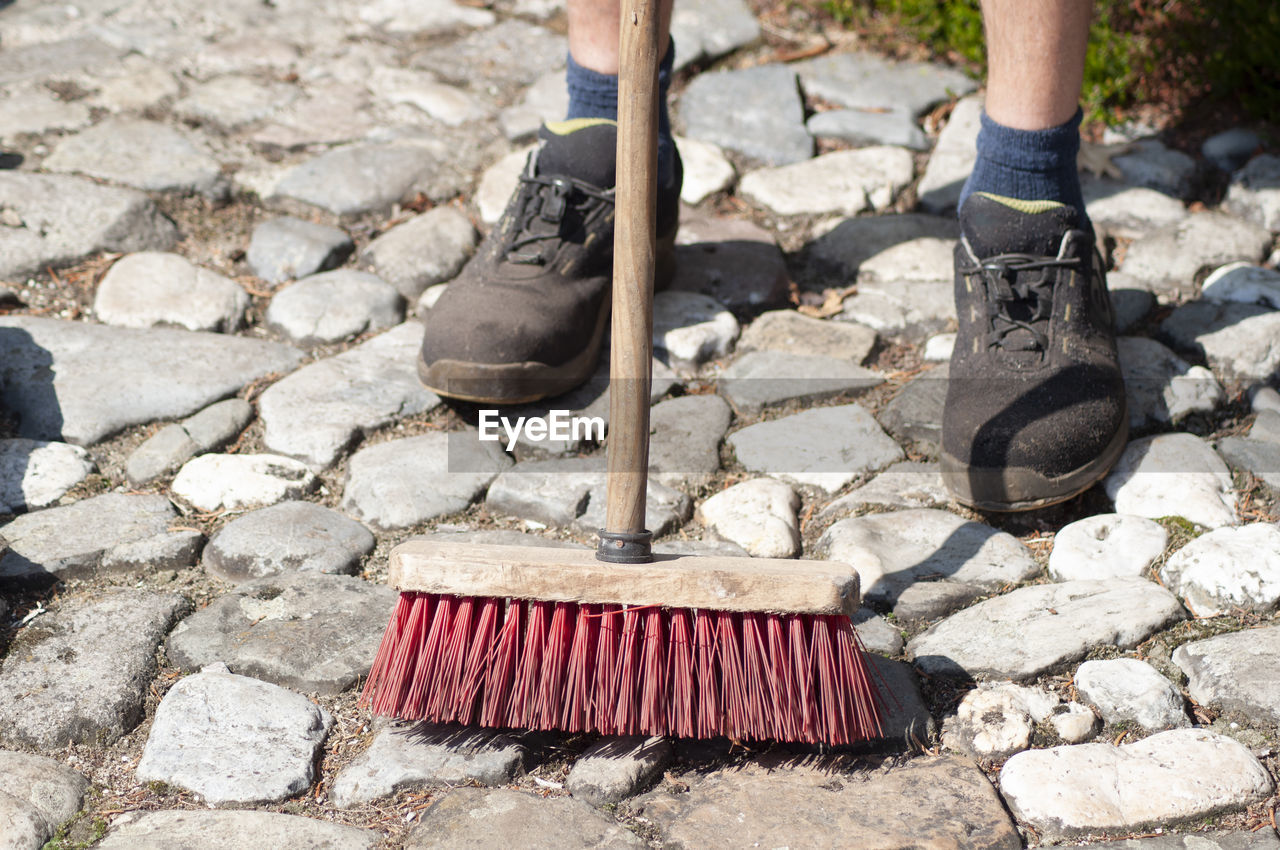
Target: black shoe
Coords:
[(1035, 410), (525, 318)]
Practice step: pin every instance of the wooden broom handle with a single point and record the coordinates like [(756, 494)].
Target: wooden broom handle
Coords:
[(633, 264)]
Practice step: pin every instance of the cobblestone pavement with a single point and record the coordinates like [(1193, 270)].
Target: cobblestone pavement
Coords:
[(218, 228)]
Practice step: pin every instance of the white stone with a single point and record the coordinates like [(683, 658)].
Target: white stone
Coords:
[(230, 830), (216, 482), (1076, 724), (843, 182), (1162, 387), (499, 183), (132, 85), (1129, 212), (1128, 689), (952, 158), (907, 484), (232, 101), (1238, 671), (416, 16), (544, 101), (1238, 340), (1106, 546), (426, 249), (996, 720), (144, 154), (1228, 568), (153, 288), (334, 306), (1255, 191), (692, 328), (1173, 475), (938, 348), (1179, 775), (1176, 253), (1244, 283), (759, 515), (447, 104), (706, 170), (37, 110), (37, 473)]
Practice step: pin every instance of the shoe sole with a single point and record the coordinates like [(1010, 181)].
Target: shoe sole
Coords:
[(1011, 489), (529, 381)]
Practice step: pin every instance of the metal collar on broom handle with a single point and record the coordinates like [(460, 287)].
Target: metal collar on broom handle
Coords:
[(624, 538)]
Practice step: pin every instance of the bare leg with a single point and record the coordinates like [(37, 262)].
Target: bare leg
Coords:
[(593, 32), (1035, 60)]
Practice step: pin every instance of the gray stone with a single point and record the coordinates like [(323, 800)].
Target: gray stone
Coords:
[(684, 439), (1126, 689), (233, 101), (1131, 305), (311, 633), (438, 16), (718, 548), (133, 84), (1254, 192), (1161, 386), (229, 830), (708, 29), (429, 248), (894, 552), (232, 739), (689, 329), (218, 424), (762, 378), (285, 538), (757, 112), (876, 633), (499, 182), (40, 790), (1227, 569), (329, 112), (891, 126), (915, 411), (1230, 149), (734, 261), (512, 53), (81, 382), (790, 332), (406, 757), (1173, 475), (926, 802), (174, 550), (81, 674), (36, 110), (706, 170), (825, 448), (401, 483), (224, 482), (27, 61), (1173, 255), (1265, 427), (37, 473), (142, 154), (320, 410), (335, 306), (1265, 840), (1152, 165), (546, 100), (952, 158), (869, 82), (1179, 775), (1129, 212), (1239, 671), (838, 183), (1264, 398), (996, 720), (472, 817), (450, 105), (841, 252), (71, 541), (617, 768), (759, 515), (1234, 338), (150, 288), (62, 220), (908, 484), (1259, 458), (287, 248), (360, 178), (1033, 630), (905, 721), (907, 308), (1106, 546), (1243, 283), (173, 445)]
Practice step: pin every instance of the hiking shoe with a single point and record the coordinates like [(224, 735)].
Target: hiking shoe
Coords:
[(525, 318), (1035, 409)]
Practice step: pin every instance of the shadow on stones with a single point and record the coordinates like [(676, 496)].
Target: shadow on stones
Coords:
[(28, 400), (464, 739), (9, 159)]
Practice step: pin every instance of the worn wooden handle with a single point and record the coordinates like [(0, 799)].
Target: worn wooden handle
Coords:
[(633, 266)]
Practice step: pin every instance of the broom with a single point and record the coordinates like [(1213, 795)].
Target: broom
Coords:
[(622, 641)]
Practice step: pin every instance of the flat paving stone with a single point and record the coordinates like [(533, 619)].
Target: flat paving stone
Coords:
[(734, 261), (448, 104), (685, 437), (1204, 841), (756, 112), (37, 795), (1239, 671), (310, 633), (229, 830), (1254, 192), (617, 768), (288, 248), (925, 802), (232, 739), (706, 170), (285, 538), (894, 553), (1161, 386), (173, 445), (173, 550), (427, 249), (915, 411), (907, 484), (1235, 338), (1106, 546), (335, 306), (359, 178), (864, 80), (1265, 427), (824, 448), (837, 183), (689, 329), (842, 251), (1127, 689), (62, 220), (320, 410), (1260, 458), (1244, 283), (545, 100), (81, 382), (911, 309), (876, 633), (892, 126), (401, 483), (759, 515), (790, 332), (1179, 775), (1173, 475), (759, 379), (514, 52), (228, 102), (81, 674), (1152, 165), (437, 16), (145, 155), (37, 473), (1033, 630), (72, 541), (1128, 211), (474, 817), (39, 111), (708, 29), (1176, 253), (952, 159), (410, 756), (217, 482), (1226, 569), (151, 288)]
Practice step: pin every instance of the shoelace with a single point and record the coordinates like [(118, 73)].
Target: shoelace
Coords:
[(542, 212), (1010, 288)]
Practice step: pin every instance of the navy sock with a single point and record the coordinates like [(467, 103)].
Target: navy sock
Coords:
[(1030, 165), (595, 95)]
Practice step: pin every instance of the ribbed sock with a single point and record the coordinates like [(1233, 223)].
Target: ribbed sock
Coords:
[(1030, 165), (595, 95)]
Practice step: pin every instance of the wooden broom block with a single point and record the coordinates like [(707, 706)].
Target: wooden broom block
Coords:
[(769, 585)]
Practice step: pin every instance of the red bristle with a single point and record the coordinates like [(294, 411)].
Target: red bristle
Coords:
[(390, 638), (582, 657), (802, 664), (479, 657), (451, 669), (710, 718), (732, 677), (653, 674), (758, 691), (627, 714), (524, 692), (497, 682), (555, 663), (605, 699), (429, 658), (864, 696), (786, 718), (385, 699), (831, 715), (681, 684)]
